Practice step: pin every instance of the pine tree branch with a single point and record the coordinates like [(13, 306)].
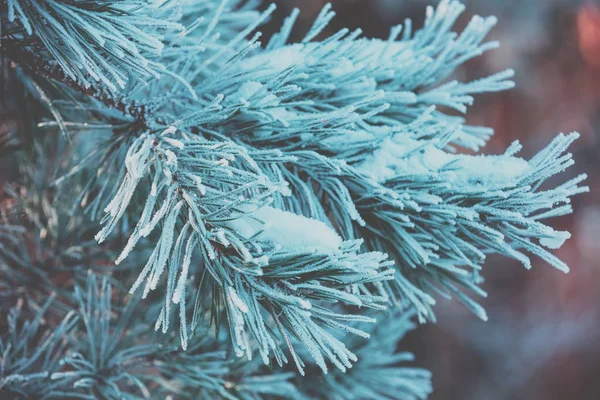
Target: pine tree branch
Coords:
[(36, 65), (300, 156)]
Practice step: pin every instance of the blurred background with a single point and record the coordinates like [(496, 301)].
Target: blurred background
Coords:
[(542, 340)]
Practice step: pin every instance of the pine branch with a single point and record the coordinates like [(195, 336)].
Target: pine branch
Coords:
[(229, 211), (370, 104), (113, 357), (106, 41), (382, 371), (37, 66), (31, 354), (287, 178), (438, 213)]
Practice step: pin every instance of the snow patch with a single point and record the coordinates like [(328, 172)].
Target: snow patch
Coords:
[(278, 59), (492, 171), (405, 156), (287, 230), (248, 89), (555, 242)]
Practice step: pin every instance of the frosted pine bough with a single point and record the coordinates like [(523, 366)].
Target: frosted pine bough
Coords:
[(289, 188)]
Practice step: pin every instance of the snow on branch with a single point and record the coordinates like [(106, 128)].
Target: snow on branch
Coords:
[(349, 84), (438, 214), (287, 230), (208, 205)]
